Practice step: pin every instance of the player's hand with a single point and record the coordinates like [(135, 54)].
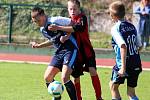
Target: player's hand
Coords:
[(121, 72), (53, 27), (63, 38), (34, 45)]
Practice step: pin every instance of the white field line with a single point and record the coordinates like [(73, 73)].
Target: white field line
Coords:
[(30, 62), (46, 63)]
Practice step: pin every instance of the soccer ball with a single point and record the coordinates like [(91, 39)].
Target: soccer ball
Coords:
[(55, 88)]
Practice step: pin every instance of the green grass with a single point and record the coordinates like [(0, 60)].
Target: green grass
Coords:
[(100, 40), (22, 81)]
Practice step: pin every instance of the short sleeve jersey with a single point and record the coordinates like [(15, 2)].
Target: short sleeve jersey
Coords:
[(54, 36), (124, 32)]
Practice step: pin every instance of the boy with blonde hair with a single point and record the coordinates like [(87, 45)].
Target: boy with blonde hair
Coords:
[(126, 44), (86, 58)]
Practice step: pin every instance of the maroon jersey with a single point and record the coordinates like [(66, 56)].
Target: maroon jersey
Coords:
[(80, 26)]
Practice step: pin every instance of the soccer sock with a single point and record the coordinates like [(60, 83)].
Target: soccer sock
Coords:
[(78, 90), (71, 90), (97, 86), (134, 98), (117, 99), (57, 98), (47, 83)]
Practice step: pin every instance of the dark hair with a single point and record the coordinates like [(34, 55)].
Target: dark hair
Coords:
[(77, 2), (39, 10)]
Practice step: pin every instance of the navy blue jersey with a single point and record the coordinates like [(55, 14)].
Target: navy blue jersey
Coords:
[(124, 32), (54, 36)]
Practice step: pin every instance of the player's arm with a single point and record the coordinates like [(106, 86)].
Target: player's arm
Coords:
[(68, 29), (64, 38), (61, 23), (41, 45), (138, 42), (123, 51), (72, 27)]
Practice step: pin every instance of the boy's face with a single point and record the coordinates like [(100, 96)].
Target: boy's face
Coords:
[(37, 19), (73, 9), (114, 18)]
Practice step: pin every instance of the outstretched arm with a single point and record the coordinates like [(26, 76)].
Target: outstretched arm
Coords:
[(54, 27), (41, 45), (72, 26)]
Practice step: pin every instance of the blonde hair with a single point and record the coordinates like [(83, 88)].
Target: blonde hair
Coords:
[(142, 4), (117, 8), (77, 2)]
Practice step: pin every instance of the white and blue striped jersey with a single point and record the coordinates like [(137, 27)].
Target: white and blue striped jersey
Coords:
[(54, 36), (124, 32)]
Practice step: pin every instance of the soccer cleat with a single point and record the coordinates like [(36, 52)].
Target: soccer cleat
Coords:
[(58, 98), (100, 99)]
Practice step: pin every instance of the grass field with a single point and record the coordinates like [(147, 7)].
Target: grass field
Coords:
[(22, 81)]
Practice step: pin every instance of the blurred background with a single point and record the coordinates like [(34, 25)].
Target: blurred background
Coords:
[(16, 27)]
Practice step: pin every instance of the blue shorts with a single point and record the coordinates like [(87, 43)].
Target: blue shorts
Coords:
[(131, 76), (64, 57)]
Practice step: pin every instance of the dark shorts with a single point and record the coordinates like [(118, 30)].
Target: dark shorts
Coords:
[(131, 76), (78, 70), (89, 62), (78, 67), (64, 57), (82, 64)]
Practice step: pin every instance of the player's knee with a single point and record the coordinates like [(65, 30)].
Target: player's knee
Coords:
[(92, 71), (113, 87), (48, 78), (131, 92)]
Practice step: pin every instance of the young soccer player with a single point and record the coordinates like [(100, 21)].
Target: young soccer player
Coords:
[(65, 54), (126, 44), (79, 28)]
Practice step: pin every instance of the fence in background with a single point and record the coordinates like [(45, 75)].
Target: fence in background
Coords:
[(15, 21), (16, 25)]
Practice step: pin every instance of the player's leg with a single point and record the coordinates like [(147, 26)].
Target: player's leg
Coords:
[(54, 67), (77, 72), (96, 82), (50, 73), (132, 80), (116, 80), (114, 91), (77, 84), (91, 64), (68, 66), (131, 93), (66, 72)]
